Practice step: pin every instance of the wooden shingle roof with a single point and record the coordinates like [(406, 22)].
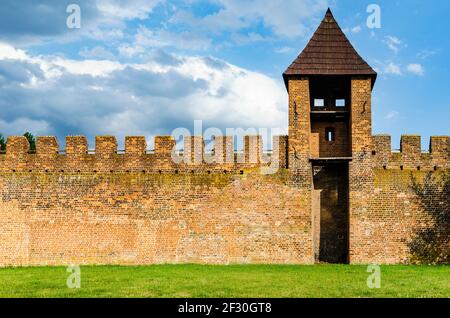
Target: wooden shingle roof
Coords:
[(329, 52)]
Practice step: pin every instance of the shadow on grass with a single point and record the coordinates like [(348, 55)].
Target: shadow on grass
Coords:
[(431, 245)]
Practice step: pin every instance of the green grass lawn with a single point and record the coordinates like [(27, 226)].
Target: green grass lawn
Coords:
[(226, 281)]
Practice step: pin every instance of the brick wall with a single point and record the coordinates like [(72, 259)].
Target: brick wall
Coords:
[(361, 167), (300, 170), (136, 218), (322, 148), (395, 218), (141, 208)]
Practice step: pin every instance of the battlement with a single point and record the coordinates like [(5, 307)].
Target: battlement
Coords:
[(411, 155), (137, 158)]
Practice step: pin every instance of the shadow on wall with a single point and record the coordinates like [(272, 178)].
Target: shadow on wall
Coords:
[(431, 245)]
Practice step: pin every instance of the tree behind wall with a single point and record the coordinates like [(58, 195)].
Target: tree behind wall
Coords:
[(31, 140), (27, 135), (2, 142), (431, 245)]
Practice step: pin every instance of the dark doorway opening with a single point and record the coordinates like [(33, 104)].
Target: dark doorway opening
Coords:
[(330, 212)]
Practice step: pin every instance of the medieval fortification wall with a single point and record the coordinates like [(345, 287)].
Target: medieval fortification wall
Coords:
[(76, 206)]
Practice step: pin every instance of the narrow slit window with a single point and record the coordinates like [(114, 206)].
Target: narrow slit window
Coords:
[(329, 134), (319, 102), (340, 103)]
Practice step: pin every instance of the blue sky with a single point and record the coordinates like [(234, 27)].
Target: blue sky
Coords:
[(148, 67)]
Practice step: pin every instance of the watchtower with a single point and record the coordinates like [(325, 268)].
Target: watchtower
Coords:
[(330, 133)]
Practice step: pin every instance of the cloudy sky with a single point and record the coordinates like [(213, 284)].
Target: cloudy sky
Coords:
[(145, 67)]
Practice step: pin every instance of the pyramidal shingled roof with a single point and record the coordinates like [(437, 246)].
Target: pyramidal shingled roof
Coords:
[(329, 52)]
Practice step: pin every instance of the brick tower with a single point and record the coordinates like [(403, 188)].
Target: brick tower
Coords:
[(330, 136)]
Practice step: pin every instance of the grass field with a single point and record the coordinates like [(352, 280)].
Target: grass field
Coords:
[(226, 281)]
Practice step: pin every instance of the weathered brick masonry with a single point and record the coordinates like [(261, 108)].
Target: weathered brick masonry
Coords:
[(138, 208), (330, 191)]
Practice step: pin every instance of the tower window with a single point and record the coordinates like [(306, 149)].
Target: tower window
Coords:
[(319, 102), (340, 102), (329, 134)]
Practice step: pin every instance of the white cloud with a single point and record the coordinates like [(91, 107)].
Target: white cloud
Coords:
[(54, 66), (128, 50), (21, 125), (121, 9), (391, 115), (283, 50), (87, 67), (416, 69), (356, 29), (252, 37), (108, 21), (424, 54), (163, 38), (95, 97), (146, 38), (393, 43), (104, 33), (45, 20), (286, 18), (392, 68), (9, 52), (98, 52)]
